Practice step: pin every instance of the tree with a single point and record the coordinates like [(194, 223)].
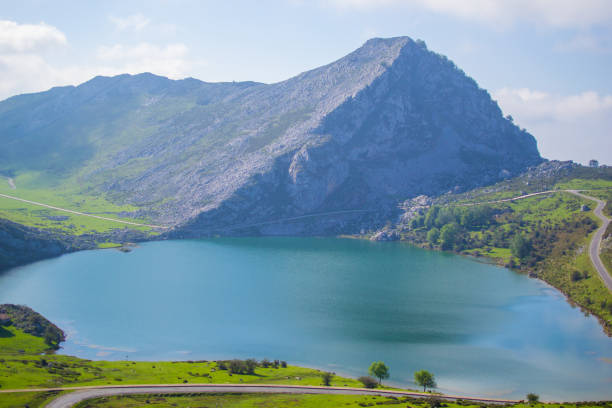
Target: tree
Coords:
[(520, 246), (533, 398), (446, 215), (250, 365), (425, 379), (52, 337), (368, 381), (327, 377), (433, 235), (379, 370), (430, 217), (236, 367), (448, 235)]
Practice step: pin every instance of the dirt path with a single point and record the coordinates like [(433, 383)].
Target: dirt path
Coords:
[(85, 393), (11, 183), (80, 213)]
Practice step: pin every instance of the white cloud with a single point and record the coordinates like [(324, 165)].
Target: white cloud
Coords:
[(566, 126), (19, 38), (562, 13), (23, 52), (135, 22)]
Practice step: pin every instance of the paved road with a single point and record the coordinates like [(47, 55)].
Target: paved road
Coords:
[(80, 213), (85, 393), (595, 246)]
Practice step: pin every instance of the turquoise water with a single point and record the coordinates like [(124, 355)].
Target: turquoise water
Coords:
[(327, 303)]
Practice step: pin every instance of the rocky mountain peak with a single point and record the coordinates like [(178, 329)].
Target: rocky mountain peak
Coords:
[(389, 121)]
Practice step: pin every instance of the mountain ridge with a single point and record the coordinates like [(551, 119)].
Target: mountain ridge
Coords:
[(386, 122)]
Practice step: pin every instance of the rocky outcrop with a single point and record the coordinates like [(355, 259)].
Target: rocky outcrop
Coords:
[(385, 235)]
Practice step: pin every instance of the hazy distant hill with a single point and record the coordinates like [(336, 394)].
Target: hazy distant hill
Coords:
[(387, 122)]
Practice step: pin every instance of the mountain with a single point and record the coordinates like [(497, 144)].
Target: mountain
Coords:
[(348, 141)]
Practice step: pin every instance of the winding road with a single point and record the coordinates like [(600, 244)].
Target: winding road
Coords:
[(85, 393), (595, 246)]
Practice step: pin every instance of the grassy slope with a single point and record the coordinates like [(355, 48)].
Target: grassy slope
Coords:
[(30, 187), (558, 229)]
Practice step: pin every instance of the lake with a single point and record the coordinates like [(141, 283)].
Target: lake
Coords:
[(335, 304)]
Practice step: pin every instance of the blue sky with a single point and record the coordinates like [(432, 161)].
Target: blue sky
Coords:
[(547, 62)]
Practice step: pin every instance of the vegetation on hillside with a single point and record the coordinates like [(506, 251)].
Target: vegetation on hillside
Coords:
[(546, 236), (28, 321)]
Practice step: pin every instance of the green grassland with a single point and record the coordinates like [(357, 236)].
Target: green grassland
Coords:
[(552, 230), (34, 187), (26, 361)]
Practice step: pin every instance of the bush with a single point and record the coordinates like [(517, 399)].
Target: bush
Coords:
[(283, 364), (265, 363), (434, 403), (237, 367), (221, 365), (575, 276), (533, 398), (368, 381)]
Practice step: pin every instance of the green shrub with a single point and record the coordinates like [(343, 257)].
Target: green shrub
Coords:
[(368, 381)]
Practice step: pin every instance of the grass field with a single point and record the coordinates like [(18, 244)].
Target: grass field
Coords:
[(27, 362)]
